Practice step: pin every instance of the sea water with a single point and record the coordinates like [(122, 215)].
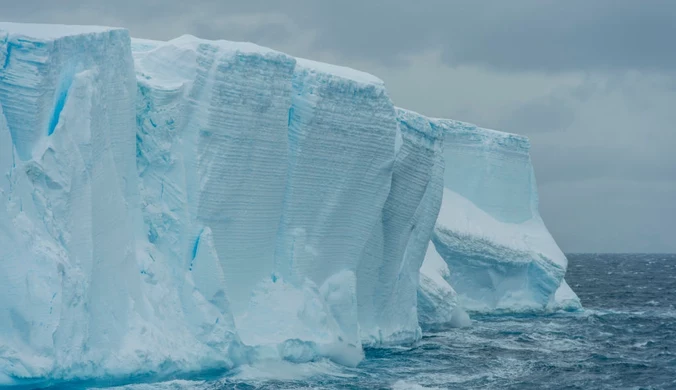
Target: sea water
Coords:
[(624, 339)]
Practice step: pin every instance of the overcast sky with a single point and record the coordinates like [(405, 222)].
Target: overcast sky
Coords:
[(591, 82)]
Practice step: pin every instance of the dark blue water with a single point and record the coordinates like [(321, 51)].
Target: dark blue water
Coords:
[(625, 339)]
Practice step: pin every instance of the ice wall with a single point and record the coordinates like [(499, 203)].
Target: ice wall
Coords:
[(212, 152), (341, 130), (387, 279), (83, 293), (287, 162), (489, 232), (69, 213), (191, 205)]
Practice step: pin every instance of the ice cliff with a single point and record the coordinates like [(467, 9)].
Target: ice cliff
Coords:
[(195, 205), (489, 231)]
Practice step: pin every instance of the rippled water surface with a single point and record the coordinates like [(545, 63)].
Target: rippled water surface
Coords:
[(625, 339)]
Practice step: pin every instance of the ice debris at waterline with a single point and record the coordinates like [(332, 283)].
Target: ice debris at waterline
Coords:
[(191, 205)]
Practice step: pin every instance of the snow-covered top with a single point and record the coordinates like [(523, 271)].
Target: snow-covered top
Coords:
[(242, 47), (455, 129), (191, 42), (51, 31), (340, 71), (55, 31), (140, 45), (455, 125), (168, 65)]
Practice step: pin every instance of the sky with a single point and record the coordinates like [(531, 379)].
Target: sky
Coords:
[(592, 83)]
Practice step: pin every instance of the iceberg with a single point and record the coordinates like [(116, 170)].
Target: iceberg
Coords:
[(489, 232), (194, 205)]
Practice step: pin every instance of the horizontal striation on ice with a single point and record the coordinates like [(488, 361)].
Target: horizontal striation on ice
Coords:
[(489, 231), (212, 149), (341, 133), (387, 275), (490, 168)]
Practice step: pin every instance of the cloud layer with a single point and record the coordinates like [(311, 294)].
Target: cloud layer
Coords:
[(593, 83)]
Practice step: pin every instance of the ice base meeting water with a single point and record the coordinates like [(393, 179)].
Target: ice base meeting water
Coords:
[(625, 339)]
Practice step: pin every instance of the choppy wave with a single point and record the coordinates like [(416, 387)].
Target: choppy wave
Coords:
[(625, 338)]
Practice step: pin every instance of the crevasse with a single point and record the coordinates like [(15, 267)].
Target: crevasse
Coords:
[(192, 205)]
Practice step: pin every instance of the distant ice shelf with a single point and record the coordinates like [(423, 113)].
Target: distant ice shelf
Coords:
[(194, 205)]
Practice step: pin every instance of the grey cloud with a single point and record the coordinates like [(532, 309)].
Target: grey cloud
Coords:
[(540, 115), (540, 35), (558, 163), (611, 215), (592, 82)]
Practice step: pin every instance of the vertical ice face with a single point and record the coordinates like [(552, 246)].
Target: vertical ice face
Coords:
[(388, 270), (490, 168), (241, 141), (341, 141), (489, 231), (212, 152), (70, 196)]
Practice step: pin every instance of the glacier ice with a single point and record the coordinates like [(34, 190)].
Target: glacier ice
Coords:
[(388, 271), (70, 198), (489, 231), (334, 192), (564, 299), (212, 153), (191, 205), (437, 300)]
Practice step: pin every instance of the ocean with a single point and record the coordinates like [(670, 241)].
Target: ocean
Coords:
[(624, 339)]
